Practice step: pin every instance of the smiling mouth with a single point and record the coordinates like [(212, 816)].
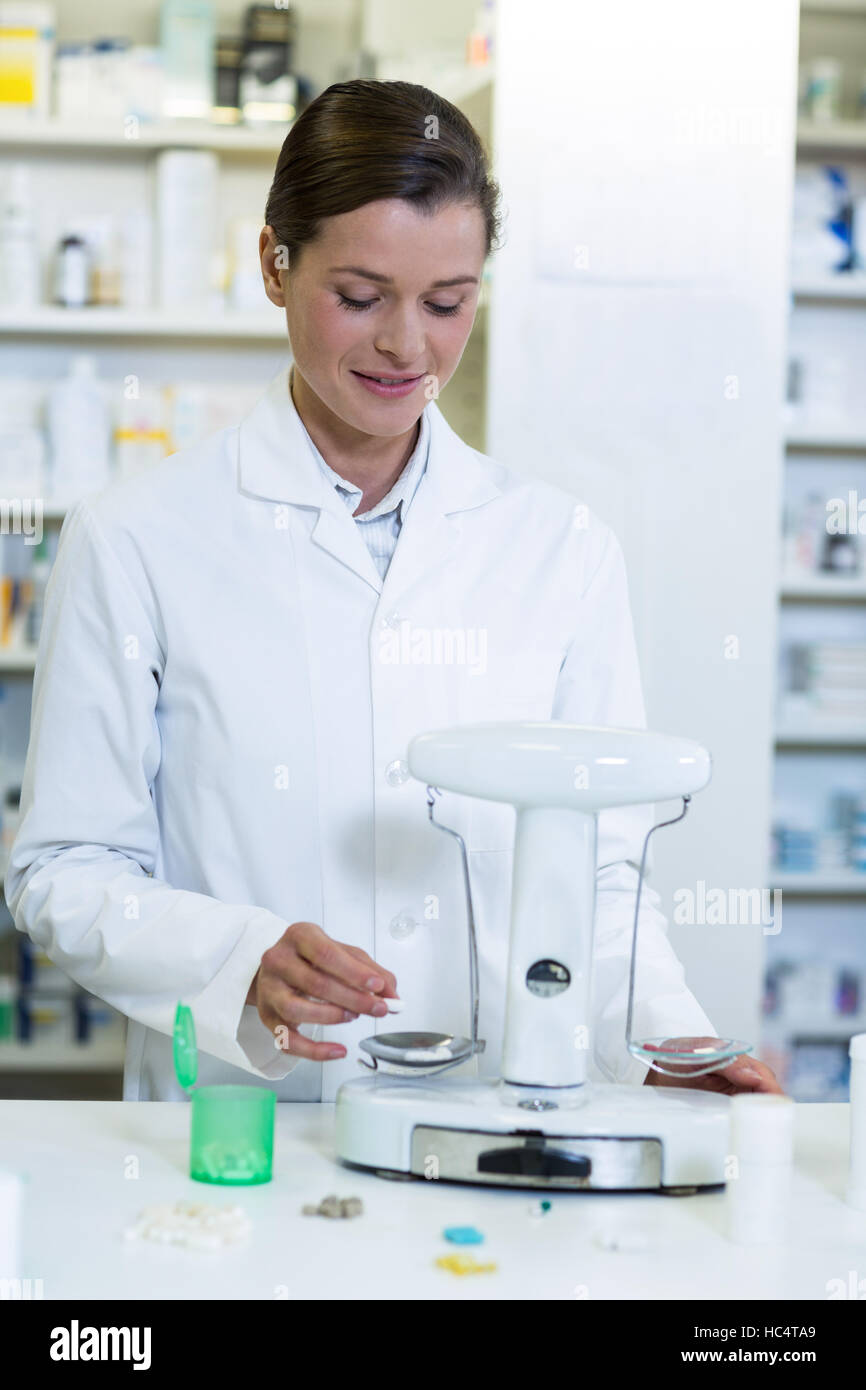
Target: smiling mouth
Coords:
[(389, 380)]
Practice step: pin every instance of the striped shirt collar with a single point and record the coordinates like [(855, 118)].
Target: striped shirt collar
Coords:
[(401, 493)]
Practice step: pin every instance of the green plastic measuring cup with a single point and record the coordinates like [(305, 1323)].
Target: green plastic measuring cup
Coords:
[(232, 1129)]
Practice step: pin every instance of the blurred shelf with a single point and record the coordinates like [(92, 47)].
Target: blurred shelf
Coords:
[(814, 736), (775, 1028), (463, 83), (144, 136), (16, 653), (849, 285), (50, 321), (17, 658), (55, 512), (839, 884), (833, 6), (105, 1054), (820, 736), (831, 135), (852, 440), (823, 588)]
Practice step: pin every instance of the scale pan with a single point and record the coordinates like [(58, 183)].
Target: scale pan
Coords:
[(417, 1051), (686, 1057)]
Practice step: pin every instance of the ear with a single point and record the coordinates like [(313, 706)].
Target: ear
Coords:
[(274, 259)]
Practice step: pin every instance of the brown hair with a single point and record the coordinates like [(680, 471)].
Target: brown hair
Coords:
[(364, 140)]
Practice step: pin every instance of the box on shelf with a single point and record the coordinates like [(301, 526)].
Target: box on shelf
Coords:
[(26, 52)]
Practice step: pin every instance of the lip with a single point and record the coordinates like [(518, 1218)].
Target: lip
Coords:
[(387, 392)]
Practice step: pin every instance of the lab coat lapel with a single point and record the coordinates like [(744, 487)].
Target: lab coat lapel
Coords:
[(275, 462), (455, 479)]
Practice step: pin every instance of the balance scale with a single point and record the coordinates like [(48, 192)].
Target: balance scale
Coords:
[(541, 1123)]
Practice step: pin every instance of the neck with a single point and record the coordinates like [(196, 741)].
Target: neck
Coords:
[(371, 462)]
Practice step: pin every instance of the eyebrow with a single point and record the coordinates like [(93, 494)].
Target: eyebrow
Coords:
[(386, 279)]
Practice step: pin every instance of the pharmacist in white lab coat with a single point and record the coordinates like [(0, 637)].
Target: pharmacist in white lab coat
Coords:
[(240, 642)]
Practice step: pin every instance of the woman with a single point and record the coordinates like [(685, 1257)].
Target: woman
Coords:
[(239, 643)]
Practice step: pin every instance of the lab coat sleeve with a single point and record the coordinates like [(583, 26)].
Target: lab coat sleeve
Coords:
[(80, 875), (600, 683)]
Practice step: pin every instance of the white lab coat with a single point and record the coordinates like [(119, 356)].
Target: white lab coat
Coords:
[(224, 694)]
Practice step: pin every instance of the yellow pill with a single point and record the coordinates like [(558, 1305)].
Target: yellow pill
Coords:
[(463, 1264)]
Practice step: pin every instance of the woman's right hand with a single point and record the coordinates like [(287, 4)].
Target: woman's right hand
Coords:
[(307, 977)]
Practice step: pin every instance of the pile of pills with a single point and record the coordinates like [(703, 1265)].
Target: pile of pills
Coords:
[(539, 1208), (197, 1225), (335, 1206), (464, 1264), (463, 1235), (628, 1242), (218, 1162)]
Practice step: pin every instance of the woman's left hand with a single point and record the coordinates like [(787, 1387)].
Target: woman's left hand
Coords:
[(743, 1074)]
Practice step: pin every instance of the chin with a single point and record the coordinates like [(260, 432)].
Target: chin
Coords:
[(386, 418)]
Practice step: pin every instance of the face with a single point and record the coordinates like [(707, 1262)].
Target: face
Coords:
[(384, 292)]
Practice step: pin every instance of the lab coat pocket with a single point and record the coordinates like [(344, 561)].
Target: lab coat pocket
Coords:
[(519, 688)]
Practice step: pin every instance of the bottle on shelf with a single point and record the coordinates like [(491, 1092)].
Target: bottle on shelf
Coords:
[(40, 571), (8, 995), (27, 30), (11, 821), (72, 273), (856, 1189), (19, 255), (79, 433), (187, 40)]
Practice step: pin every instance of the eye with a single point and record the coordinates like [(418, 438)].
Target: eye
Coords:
[(359, 305), (355, 304), (445, 309)]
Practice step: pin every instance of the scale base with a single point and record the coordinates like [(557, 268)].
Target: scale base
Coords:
[(596, 1138)]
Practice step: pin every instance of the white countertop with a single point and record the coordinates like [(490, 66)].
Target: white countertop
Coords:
[(74, 1155)]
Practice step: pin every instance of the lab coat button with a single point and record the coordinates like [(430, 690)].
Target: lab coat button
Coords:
[(402, 926), (397, 772)]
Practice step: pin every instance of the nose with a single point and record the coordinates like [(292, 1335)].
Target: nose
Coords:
[(401, 335)]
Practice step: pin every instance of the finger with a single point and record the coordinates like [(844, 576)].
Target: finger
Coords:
[(334, 958), (390, 990), (746, 1074), (708, 1081), (285, 966), (299, 1046), (289, 1041), (331, 958), (308, 980), (294, 1008)]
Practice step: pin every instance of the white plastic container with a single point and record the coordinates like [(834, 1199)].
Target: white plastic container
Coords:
[(247, 294), (186, 202), (856, 1194), (136, 263), (143, 82), (186, 38), (141, 436), (10, 1225), (19, 254), (859, 234), (758, 1193), (72, 81), (79, 433), (823, 90), (22, 442)]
